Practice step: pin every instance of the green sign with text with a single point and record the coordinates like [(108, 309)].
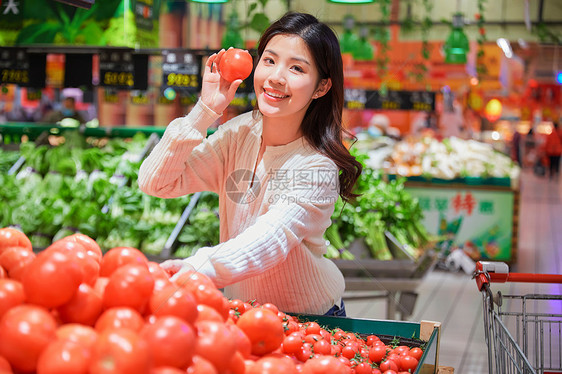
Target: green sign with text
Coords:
[(478, 221)]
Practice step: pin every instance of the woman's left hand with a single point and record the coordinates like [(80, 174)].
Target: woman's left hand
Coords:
[(176, 267)]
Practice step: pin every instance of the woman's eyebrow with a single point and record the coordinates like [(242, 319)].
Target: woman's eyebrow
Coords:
[(301, 59)]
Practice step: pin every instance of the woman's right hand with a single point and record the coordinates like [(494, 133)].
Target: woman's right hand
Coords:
[(217, 92)]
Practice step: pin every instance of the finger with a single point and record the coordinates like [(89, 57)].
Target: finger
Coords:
[(233, 87), (210, 62)]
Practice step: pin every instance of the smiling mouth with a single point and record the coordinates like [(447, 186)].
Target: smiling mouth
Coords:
[(275, 95)]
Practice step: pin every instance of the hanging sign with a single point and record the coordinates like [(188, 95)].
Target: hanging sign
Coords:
[(390, 100), (19, 67), (181, 72), (116, 69)]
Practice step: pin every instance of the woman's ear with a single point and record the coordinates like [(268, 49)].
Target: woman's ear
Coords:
[(323, 88)]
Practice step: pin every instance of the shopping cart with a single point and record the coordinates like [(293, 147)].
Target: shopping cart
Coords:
[(523, 333)]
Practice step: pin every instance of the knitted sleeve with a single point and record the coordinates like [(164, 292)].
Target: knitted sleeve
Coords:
[(184, 161), (293, 216)]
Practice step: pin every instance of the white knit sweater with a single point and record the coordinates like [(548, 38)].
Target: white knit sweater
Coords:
[(271, 230)]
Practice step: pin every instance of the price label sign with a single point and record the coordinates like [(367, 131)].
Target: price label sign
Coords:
[(181, 72), (117, 69), (422, 101), (355, 98), (18, 67)]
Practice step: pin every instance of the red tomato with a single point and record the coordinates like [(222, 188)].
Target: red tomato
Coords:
[(209, 295), (416, 353), (3, 273), (51, 279), (237, 305), (390, 371), (292, 343), (322, 347), (119, 256), (92, 248), (362, 368), (174, 301), (25, 331), (85, 307), (215, 343), (273, 365), (371, 339), (312, 328), (156, 271), (171, 342), (243, 344), (271, 307), (161, 283), (263, 328), (192, 280), (64, 357), (408, 363), (130, 285), (401, 349), (388, 365), (324, 364), (5, 367), (235, 64), (11, 295), (201, 366), (84, 335), (15, 259), (166, 370), (206, 313), (349, 351), (89, 265), (236, 365), (120, 351), (100, 285), (120, 317), (10, 237)]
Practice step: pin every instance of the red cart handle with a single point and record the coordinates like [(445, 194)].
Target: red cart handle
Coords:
[(487, 271)]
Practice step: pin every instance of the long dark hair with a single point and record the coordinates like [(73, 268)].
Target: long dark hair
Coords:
[(322, 124)]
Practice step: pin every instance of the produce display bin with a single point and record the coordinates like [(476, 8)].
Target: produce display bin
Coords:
[(481, 216), (425, 333), (394, 280)]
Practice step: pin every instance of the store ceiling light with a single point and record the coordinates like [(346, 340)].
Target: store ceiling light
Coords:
[(351, 1), (456, 46)]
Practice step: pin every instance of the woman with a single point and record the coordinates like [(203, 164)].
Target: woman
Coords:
[(278, 171)]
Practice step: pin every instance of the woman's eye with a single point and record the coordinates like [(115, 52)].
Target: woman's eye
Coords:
[(268, 60), (298, 68)]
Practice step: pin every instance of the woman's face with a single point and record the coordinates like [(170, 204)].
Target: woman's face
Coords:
[(286, 78)]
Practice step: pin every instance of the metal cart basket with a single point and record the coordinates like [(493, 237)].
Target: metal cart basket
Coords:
[(523, 332)]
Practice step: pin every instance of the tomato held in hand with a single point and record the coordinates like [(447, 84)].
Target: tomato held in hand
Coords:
[(235, 64)]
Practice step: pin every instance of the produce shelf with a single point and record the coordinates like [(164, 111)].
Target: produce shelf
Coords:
[(394, 280)]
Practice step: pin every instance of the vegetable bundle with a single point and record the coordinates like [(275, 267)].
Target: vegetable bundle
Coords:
[(381, 207)]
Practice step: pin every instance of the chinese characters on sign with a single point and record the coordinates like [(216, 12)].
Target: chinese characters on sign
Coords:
[(460, 203)]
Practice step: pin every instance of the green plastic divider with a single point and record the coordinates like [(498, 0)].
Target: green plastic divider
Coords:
[(33, 130), (366, 326)]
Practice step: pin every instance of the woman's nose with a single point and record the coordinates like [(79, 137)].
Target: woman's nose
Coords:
[(277, 76)]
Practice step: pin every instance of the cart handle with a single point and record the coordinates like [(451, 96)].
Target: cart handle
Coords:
[(498, 272)]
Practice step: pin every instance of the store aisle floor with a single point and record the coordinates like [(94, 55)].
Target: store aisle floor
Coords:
[(453, 299)]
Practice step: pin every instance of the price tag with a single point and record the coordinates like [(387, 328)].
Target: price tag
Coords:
[(140, 97), (422, 101), (355, 98), (181, 72), (18, 67), (117, 69)]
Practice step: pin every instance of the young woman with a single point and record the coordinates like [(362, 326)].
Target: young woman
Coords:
[(278, 171)]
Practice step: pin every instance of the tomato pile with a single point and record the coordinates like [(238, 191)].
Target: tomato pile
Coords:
[(72, 309)]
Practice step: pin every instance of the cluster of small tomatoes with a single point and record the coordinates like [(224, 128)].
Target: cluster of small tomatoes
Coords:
[(73, 309)]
